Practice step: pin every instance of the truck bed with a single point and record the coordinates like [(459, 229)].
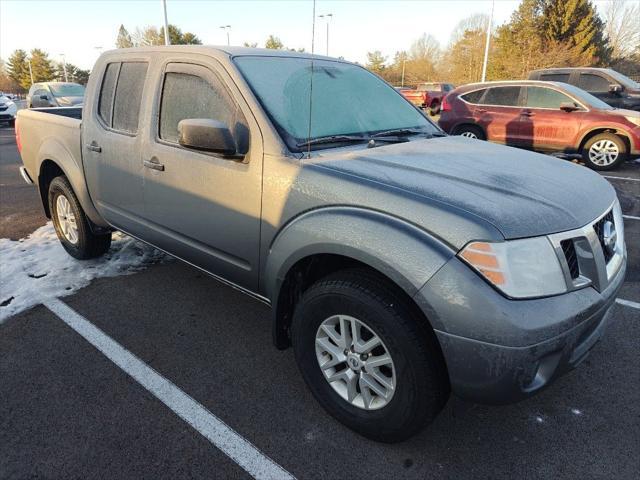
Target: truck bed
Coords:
[(49, 133)]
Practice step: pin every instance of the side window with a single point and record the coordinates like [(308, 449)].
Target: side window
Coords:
[(190, 96), (41, 92), (473, 97), (105, 102), (555, 77), (126, 104), (503, 96), (593, 83), (540, 97)]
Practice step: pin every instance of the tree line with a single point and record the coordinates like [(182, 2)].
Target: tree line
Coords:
[(539, 34), (17, 73)]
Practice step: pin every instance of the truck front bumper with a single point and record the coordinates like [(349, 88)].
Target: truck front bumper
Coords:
[(500, 351)]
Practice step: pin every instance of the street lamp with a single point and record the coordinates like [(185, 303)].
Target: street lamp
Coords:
[(226, 28), (64, 67), (327, 16), (166, 24)]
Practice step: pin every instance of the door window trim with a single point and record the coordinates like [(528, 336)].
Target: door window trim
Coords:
[(195, 68), (96, 109), (486, 88)]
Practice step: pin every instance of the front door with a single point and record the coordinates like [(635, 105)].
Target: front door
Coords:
[(111, 145), (543, 125), (199, 206)]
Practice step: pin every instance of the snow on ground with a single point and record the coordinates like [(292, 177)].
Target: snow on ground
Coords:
[(37, 268)]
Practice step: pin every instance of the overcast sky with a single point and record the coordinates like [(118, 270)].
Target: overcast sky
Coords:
[(76, 28)]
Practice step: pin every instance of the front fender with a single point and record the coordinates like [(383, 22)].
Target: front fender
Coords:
[(403, 252)]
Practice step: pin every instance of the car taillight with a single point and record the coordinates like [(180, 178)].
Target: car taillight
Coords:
[(18, 142), (445, 106)]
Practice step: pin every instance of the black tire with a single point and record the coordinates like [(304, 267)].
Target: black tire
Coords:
[(422, 385), (623, 151), (434, 109), (88, 245), (471, 130)]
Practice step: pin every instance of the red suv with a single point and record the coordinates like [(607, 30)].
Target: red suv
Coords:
[(544, 116)]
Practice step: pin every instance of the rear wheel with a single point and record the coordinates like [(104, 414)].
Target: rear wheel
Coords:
[(366, 356), (604, 151), (71, 223), (470, 131)]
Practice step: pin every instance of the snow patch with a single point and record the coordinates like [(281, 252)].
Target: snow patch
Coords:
[(576, 411), (37, 268)]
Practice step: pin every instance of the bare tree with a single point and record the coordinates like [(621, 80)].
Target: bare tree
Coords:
[(622, 27)]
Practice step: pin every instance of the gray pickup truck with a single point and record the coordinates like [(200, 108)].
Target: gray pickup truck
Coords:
[(400, 263)]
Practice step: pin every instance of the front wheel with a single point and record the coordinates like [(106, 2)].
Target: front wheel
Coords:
[(604, 151), (366, 356), (71, 223)]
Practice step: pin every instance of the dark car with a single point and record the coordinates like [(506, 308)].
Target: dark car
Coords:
[(544, 116), (608, 85)]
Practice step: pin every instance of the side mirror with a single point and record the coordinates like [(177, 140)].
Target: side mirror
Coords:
[(568, 107), (44, 97), (206, 134), (615, 88)]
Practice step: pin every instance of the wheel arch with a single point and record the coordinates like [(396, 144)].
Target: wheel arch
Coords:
[(467, 123), (597, 131), (328, 240)]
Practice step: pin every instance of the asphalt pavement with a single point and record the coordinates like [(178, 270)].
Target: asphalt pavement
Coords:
[(67, 411)]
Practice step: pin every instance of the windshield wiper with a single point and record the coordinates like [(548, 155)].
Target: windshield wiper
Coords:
[(408, 131), (333, 139)]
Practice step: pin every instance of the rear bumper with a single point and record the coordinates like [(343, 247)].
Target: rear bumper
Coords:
[(565, 329)]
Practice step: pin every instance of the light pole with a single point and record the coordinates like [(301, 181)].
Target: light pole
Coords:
[(30, 71), (226, 28), (486, 45), (404, 61), (64, 67), (327, 16), (166, 24)]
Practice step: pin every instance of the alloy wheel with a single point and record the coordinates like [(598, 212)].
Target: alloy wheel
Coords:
[(604, 152), (355, 362), (66, 219)]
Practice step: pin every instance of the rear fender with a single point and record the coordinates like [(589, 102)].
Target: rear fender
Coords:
[(53, 150)]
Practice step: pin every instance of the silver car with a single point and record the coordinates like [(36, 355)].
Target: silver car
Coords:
[(55, 94)]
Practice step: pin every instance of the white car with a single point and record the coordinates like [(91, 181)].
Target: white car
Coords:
[(8, 110)]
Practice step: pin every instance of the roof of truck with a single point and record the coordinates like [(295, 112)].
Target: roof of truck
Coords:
[(225, 50)]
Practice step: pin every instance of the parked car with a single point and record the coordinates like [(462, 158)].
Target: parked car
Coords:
[(399, 262), (8, 110), (544, 116), (55, 94), (610, 86), (428, 95)]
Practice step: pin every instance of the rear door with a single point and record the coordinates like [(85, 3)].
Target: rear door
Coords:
[(543, 125), (111, 145), (498, 113), (199, 206)]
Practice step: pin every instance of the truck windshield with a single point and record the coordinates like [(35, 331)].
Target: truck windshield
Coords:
[(67, 90), (347, 99)]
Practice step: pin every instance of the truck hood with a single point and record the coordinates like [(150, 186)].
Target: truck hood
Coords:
[(521, 193)]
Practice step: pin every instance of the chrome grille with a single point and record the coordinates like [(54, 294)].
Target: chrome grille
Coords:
[(584, 256)]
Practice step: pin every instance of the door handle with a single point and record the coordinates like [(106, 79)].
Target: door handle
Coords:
[(94, 147), (527, 114), (481, 110), (154, 165)]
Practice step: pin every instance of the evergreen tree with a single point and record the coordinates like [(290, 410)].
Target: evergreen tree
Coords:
[(41, 66), (576, 24), (124, 39), (18, 69)]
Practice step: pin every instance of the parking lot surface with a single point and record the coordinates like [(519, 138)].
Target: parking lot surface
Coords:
[(68, 411)]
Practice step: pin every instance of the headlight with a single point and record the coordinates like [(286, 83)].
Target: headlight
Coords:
[(9, 103), (634, 120), (519, 268)]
